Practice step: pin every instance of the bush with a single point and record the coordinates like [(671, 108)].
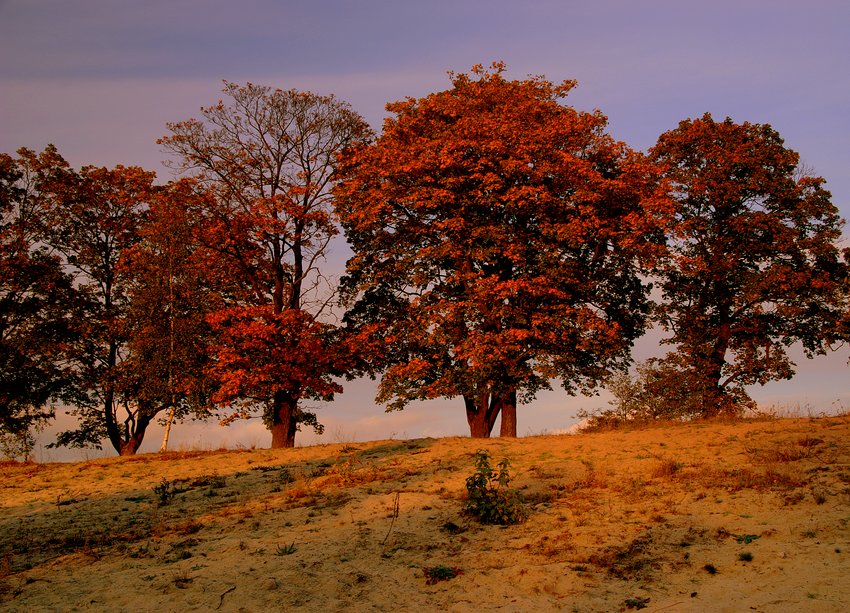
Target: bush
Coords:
[(665, 389), (14, 445), (490, 500), (164, 491), (441, 573)]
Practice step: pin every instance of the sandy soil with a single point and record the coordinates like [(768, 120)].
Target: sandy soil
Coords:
[(701, 517)]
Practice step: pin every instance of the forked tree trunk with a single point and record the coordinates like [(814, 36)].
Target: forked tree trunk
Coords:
[(284, 420), (133, 439), (481, 413)]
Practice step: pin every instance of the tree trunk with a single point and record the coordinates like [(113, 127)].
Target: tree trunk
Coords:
[(716, 402), (113, 431), (134, 439), (508, 427), (168, 422), (284, 420), (481, 413)]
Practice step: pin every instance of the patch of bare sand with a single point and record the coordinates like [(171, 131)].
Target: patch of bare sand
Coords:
[(706, 516)]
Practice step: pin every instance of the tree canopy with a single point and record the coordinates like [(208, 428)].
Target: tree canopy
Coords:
[(501, 241), (497, 238), (35, 326), (753, 262), (266, 157)]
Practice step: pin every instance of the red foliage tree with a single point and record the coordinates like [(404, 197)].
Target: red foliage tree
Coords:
[(754, 264), (90, 219), (496, 236), (267, 158)]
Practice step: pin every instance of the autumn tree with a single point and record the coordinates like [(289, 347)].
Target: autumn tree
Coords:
[(170, 294), (90, 219), (754, 264), (34, 326), (267, 157), (497, 237)]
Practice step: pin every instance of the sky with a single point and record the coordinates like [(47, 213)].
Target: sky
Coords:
[(101, 78)]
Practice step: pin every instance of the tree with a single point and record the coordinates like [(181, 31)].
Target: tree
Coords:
[(34, 328), (90, 219), (753, 264), (170, 294), (496, 237), (267, 156)]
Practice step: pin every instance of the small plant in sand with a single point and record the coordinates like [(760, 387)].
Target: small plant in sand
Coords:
[(636, 603), (441, 573), (164, 492), (490, 500), (286, 550)]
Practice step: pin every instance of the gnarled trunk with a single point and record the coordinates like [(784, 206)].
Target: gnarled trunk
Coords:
[(133, 438)]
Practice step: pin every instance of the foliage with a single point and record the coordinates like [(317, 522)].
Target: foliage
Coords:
[(266, 162), (496, 237), (661, 389), (34, 327), (164, 492), (490, 499), (170, 294), (17, 444), (753, 260), (261, 353), (90, 219), (434, 574), (101, 304)]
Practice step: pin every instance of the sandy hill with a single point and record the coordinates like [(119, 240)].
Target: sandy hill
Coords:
[(700, 517)]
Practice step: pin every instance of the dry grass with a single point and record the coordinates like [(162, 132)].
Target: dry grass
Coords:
[(616, 520)]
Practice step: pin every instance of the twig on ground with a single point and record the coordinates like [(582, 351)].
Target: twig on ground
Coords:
[(223, 594), (395, 516)]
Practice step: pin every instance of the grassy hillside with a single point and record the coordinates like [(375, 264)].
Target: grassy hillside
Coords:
[(753, 515)]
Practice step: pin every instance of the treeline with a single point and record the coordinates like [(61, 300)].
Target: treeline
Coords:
[(501, 240)]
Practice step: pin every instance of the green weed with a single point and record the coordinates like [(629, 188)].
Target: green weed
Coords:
[(490, 499), (441, 573)]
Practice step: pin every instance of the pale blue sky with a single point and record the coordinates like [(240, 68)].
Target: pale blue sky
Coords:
[(100, 78)]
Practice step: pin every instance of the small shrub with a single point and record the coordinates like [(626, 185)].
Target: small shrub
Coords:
[(711, 569), (441, 573), (214, 482), (286, 550), (164, 492), (745, 556), (637, 603), (746, 539), (490, 500)]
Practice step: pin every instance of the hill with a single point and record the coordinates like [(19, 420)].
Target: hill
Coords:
[(751, 515)]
